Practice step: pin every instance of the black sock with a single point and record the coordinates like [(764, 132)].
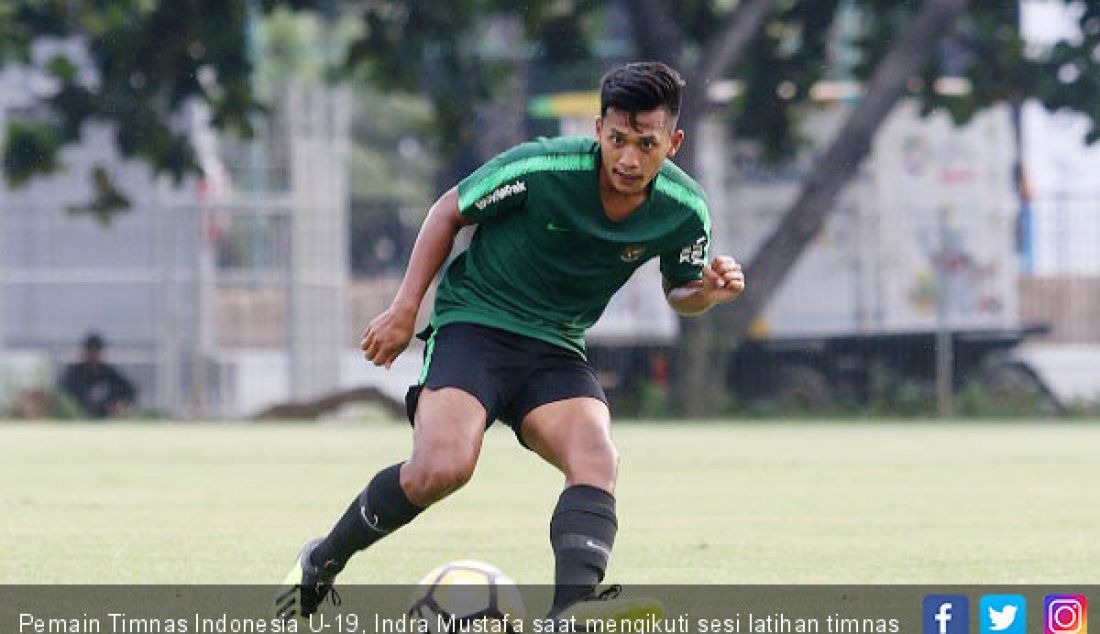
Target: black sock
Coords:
[(582, 533), (379, 510)]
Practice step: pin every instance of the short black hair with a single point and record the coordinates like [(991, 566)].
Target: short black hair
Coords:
[(641, 87), (94, 341)]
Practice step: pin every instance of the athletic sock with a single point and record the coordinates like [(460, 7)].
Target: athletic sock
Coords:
[(379, 510), (582, 533)]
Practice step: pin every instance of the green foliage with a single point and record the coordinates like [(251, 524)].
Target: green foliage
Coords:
[(441, 50), (894, 395), (151, 56), (15, 34), (31, 149), (978, 400), (302, 46), (150, 59), (797, 48), (790, 56), (391, 155), (391, 143), (988, 50), (1085, 408), (106, 199)]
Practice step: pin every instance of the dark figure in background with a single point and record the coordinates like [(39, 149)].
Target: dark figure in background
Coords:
[(99, 389)]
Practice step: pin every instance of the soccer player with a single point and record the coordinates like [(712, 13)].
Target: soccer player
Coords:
[(561, 225)]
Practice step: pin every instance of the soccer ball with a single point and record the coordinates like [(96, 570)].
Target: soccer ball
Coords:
[(467, 596)]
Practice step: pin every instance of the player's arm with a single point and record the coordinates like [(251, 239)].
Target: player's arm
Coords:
[(692, 284), (722, 281), (389, 333)]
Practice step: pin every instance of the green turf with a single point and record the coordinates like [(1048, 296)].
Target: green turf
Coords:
[(707, 503)]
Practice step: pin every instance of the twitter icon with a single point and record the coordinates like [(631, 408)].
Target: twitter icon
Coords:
[(1003, 614)]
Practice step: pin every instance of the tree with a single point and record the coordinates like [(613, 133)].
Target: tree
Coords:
[(147, 61), (891, 79), (668, 31), (905, 48), (982, 44), (468, 59), (150, 57)]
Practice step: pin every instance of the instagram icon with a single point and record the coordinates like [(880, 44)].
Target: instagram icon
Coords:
[(1065, 614)]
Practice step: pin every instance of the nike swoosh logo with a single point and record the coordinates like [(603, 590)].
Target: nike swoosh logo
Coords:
[(556, 228), (596, 546), (372, 525)]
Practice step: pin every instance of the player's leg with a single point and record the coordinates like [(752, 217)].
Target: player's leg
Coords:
[(447, 433), (574, 435), (564, 418), (448, 428)]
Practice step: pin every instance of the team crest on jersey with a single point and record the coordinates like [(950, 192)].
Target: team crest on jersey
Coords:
[(632, 253)]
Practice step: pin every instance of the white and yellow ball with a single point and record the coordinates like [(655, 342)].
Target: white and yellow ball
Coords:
[(467, 595)]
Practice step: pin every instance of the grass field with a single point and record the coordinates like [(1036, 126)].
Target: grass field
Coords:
[(823, 502)]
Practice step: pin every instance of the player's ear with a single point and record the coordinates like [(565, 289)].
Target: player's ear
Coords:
[(677, 139), (599, 126)]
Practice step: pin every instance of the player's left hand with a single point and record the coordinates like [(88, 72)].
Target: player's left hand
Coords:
[(723, 279)]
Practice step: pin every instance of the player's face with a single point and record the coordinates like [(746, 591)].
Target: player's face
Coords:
[(632, 152)]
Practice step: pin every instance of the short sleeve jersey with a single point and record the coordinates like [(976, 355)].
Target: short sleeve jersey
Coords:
[(545, 260)]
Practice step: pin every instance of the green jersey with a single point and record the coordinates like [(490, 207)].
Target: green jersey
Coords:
[(545, 259)]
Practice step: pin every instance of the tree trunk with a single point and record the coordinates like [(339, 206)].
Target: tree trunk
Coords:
[(700, 374), (778, 254), (659, 38)]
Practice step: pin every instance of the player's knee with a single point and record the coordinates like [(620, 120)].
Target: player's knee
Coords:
[(443, 479), (439, 477), (595, 463), (608, 461), (605, 454)]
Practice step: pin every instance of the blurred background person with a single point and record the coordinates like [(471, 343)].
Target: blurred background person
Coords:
[(100, 389)]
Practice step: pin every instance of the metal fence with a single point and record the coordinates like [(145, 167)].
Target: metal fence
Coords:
[(194, 287)]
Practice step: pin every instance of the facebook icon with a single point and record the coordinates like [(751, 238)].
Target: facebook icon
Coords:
[(946, 614)]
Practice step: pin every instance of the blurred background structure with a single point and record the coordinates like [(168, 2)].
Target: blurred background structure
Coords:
[(909, 185), (210, 293)]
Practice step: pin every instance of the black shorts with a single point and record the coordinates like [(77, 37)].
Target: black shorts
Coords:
[(510, 374)]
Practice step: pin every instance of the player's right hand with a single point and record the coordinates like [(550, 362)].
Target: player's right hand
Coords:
[(388, 335)]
